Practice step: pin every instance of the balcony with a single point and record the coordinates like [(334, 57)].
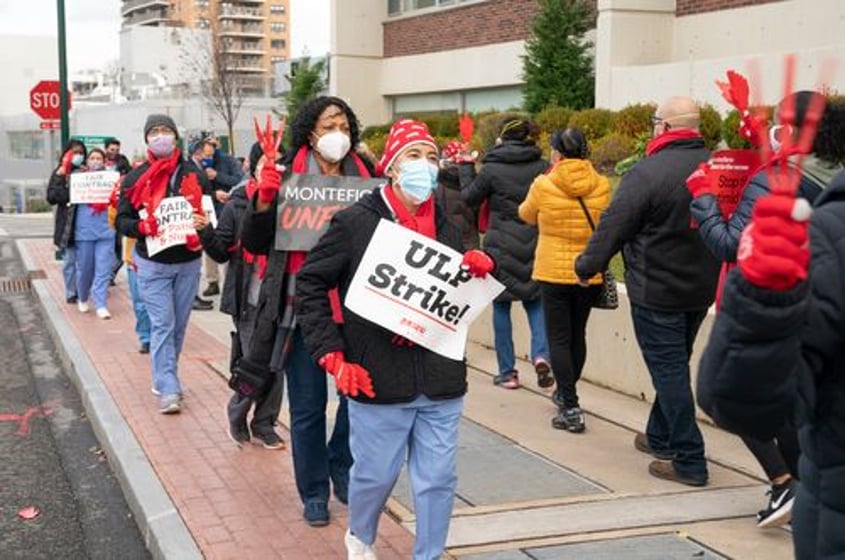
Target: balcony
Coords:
[(253, 31), (249, 48), (246, 65), (239, 13), (130, 6), (147, 17)]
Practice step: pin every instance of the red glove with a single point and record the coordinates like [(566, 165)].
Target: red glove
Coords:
[(67, 162), (350, 379), (192, 191), (751, 127), (114, 197), (478, 263), (148, 227), (270, 180), (698, 183), (774, 249), (99, 207)]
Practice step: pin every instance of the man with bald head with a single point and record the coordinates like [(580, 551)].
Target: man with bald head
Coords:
[(670, 278)]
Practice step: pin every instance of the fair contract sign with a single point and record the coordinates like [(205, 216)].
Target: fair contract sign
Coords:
[(415, 287)]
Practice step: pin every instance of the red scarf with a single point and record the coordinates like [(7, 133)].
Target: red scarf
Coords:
[(421, 222), (151, 187), (259, 260), (658, 143)]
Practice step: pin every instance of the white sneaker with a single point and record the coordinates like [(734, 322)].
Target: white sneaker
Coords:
[(103, 313), (357, 550), (82, 306)]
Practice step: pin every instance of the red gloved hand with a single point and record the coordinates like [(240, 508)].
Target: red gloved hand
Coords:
[(774, 249), (478, 263), (114, 197), (99, 207), (350, 379), (270, 180), (751, 127), (66, 166), (698, 183), (148, 227), (192, 191)]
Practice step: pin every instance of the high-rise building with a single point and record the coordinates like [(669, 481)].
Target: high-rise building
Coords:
[(254, 34)]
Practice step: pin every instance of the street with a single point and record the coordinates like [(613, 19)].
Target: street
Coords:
[(53, 469)]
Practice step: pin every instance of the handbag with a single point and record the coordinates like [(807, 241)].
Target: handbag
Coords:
[(608, 297)]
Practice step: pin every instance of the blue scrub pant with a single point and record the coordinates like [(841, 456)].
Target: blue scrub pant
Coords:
[(381, 437), (94, 260), (142, 319), (69, 271), (168, 290)]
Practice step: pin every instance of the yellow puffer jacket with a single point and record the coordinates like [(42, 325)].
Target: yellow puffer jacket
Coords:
[(552, 204)]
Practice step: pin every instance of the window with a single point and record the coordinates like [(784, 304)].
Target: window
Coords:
[(277, 27), (201, 3), (26, 145), (277, 44), (277, 59), (396, 7), (276, 9), (203, 23)]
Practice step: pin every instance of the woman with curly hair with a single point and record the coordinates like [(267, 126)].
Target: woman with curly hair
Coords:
[(323, 137), (778, 456)]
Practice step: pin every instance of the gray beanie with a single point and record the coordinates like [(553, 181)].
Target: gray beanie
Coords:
[(159, 120)]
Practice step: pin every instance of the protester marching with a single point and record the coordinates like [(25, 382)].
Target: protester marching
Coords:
[(358, 273)]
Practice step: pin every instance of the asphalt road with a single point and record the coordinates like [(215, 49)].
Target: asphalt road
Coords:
[(49, 456)]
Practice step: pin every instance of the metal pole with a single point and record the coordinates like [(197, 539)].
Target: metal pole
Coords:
[(63, 97)]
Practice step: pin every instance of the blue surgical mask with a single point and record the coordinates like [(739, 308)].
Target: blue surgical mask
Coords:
[(207, 162), (418, 179), (77, 160)]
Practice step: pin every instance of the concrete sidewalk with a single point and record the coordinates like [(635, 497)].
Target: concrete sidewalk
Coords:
[(525, 490)]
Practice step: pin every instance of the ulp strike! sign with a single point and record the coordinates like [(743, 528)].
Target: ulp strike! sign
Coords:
[(415, 287), (309, 202)]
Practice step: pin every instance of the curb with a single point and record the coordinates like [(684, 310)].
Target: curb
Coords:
[(165, 533)]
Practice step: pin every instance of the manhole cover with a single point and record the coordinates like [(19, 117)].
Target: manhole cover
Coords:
[(14, 285)]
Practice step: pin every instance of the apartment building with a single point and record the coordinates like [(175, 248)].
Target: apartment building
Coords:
[(255, 34), (393, 57)]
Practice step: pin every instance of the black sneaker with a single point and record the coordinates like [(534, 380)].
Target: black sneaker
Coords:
[(570, 419), (212, 290), (316, 513), (779, 510), (238, 433), (270, 440), (144, 348), (72, 299), (202, 304)]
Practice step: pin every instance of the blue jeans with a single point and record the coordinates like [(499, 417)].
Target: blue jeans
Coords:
[(503, 333), (666, 339), (94, 260), (142, 319), (314, 461), (168, 291), (381, 437), (69, 271)]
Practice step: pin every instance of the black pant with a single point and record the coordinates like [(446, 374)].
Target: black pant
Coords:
[(566, 308), (778, 456)]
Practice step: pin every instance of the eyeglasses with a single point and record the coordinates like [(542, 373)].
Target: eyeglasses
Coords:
[(655, 120)]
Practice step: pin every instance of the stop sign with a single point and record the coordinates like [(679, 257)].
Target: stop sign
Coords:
[(44, 99)]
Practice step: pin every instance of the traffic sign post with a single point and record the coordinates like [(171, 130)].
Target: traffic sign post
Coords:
[(51, 125)]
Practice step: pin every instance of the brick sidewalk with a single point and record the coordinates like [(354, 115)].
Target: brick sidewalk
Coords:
[(237, 502)]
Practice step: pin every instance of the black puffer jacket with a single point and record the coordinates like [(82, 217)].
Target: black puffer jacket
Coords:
[(58, 194), (464, 217), (776, 358), (399, 373), (508, 171), (223, 245), (667, 266)]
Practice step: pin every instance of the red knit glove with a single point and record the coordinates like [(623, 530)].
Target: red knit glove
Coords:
[(270, 180), (350, 379), (67, 162), (192, 191), (774, 249), (99, 207), (148, 227), (478, 263), (698, 183)]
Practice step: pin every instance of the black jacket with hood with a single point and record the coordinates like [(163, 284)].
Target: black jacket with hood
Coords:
[(399, 373), (778, 358), (58, 194), (506, 175)]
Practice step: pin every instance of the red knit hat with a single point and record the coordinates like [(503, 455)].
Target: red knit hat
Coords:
[(402, 134)]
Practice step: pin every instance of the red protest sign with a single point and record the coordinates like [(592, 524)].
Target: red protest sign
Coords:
[(730, 171)]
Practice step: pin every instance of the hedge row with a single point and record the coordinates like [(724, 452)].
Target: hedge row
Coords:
[(614, 136)]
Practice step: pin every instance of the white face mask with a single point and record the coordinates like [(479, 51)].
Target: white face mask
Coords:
[(333, 146)]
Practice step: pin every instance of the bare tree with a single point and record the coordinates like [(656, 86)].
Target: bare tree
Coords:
[(213, 69)]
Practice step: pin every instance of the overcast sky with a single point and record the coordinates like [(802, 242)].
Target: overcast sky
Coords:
[(93, 27)]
